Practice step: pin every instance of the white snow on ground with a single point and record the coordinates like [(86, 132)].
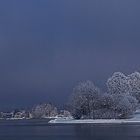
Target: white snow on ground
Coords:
[(70, 120)]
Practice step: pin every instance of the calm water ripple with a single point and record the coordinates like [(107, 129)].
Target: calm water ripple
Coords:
[(41, 130)]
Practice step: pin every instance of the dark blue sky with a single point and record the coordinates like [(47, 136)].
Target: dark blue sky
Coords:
[(47, 46)]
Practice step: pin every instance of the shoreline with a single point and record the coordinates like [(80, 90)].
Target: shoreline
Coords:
[(98, 121)]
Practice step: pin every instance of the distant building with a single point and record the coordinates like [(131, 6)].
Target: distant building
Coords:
[(6, 115), (22, 114)]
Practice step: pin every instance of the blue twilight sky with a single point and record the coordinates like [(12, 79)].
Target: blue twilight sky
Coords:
[(47, 46)]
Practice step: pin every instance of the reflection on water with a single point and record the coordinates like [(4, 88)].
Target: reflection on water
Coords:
[(41, 130), (108, 132)]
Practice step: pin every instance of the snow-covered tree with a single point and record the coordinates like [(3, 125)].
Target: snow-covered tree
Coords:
[(118, 84), (120, 88), (134, 82), (115, 106), (104, 113), (85, 98), (44, 110), (120, 101), (106, 101), (124, 105)]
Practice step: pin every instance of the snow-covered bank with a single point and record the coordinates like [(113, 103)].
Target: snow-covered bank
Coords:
[(100, 121), (70, 120)]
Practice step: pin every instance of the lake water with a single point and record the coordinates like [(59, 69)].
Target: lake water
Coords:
[(41, 130)]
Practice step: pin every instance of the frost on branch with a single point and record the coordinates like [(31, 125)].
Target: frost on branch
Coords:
[(118, 83), (85, 99), (134, 81)]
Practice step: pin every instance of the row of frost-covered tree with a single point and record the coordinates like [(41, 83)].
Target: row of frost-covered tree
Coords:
[(44, 110), (119, 101)]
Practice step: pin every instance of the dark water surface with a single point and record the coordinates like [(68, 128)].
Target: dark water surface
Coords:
[(41, 130)]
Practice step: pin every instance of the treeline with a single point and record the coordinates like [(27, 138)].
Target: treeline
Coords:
[(87, 101), (40, 111), (119, 101), (44, 110)]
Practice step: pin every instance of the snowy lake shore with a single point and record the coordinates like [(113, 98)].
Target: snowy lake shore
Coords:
[(70, 120), (98, 121)]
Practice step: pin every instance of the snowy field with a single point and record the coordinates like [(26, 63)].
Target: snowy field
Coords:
[(135, 119)]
